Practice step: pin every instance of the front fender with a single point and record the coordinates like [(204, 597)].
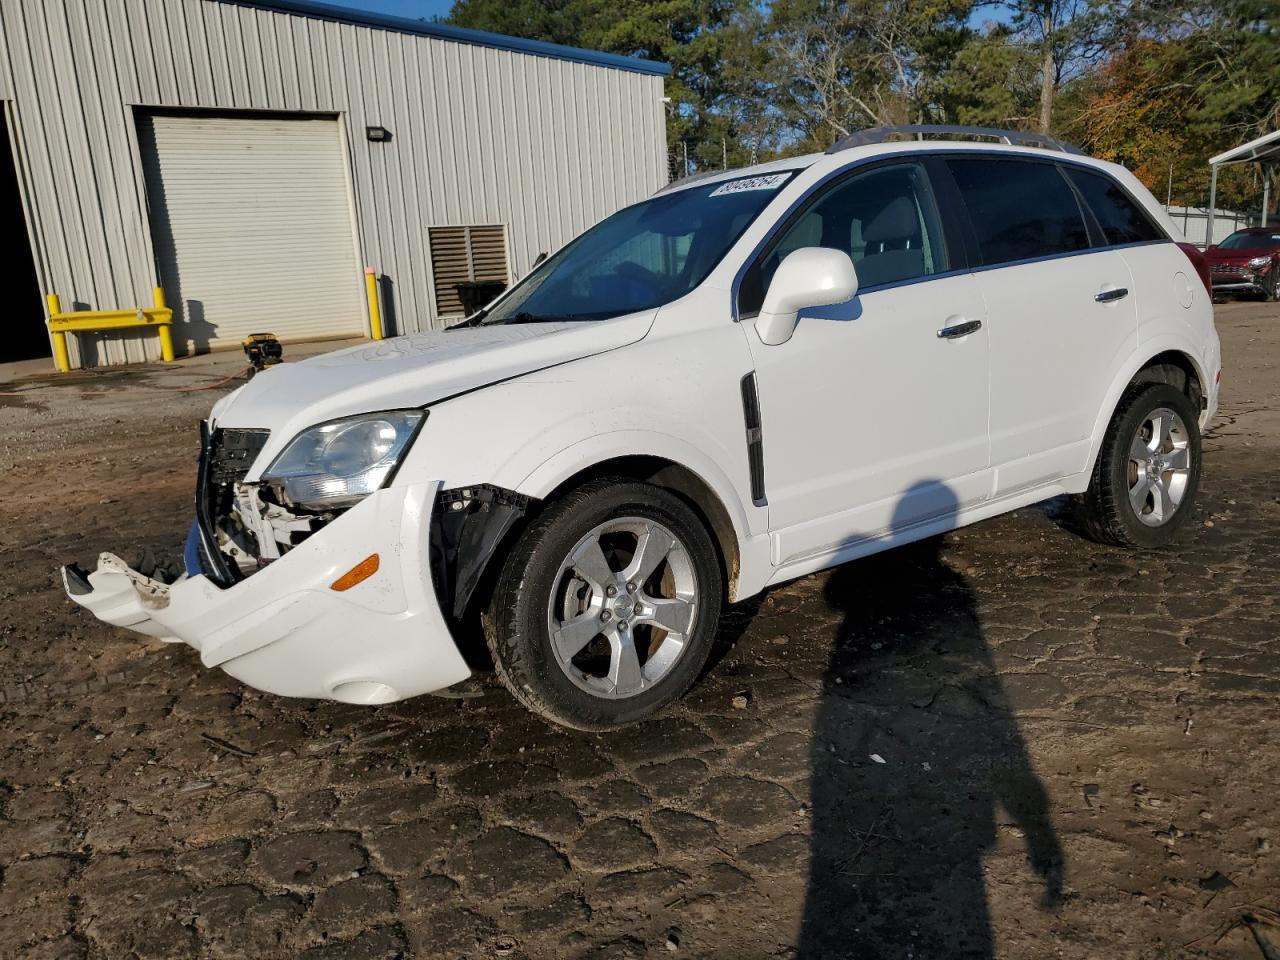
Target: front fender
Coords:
[(675, 397), (750, 523), (571, 460)]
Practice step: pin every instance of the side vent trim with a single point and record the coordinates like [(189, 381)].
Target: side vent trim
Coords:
[(755, 439)]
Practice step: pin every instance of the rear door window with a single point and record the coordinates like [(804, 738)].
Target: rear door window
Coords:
[(1121, 219), (1019, 209)]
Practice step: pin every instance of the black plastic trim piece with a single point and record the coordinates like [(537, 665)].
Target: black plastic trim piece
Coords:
[(467, 526), (216, 568), (226, 456), (755, 438)]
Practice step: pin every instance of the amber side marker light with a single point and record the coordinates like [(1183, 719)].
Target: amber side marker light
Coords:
[(361, 572)]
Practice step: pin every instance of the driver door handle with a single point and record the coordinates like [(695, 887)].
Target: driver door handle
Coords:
[(959, 330), (1110, 296)]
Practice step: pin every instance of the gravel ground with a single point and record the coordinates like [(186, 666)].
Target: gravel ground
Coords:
[(1007, 742)]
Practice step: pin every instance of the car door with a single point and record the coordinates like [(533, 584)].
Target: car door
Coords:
[(1061, 315), (1165, 283), (874, 413)]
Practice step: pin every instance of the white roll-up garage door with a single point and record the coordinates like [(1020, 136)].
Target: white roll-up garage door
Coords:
[(252, 228)]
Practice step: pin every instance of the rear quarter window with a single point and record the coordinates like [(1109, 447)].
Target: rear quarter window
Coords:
[(1119, 216), (1020, 209)]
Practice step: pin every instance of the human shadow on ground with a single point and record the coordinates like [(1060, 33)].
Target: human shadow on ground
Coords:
[(916, 759)]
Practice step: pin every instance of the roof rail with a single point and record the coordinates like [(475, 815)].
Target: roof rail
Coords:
[(862, 138)]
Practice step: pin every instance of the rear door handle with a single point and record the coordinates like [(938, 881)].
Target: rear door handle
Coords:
[(1110, 296), (960, 329)]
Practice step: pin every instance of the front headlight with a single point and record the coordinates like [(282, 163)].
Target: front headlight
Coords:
[(1259, 261), (337, 464)]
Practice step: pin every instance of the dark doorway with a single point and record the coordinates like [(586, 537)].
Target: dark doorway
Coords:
[(27, 337)]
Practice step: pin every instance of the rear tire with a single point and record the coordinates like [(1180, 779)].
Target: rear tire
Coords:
[(1147, 474), (606, 609)]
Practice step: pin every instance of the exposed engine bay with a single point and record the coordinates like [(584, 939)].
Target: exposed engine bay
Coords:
[(250, 524), (247, 526)]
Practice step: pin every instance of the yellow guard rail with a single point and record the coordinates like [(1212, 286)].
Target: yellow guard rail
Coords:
[(85, 321)]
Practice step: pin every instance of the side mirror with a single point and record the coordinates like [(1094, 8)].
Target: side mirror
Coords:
[(808, 277)]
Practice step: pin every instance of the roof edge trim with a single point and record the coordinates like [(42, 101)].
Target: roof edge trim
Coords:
[(441, 31)]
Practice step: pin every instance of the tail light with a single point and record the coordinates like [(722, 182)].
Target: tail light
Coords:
[(1200, 262)]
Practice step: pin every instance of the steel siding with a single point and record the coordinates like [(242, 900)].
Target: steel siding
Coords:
[(481, 134)]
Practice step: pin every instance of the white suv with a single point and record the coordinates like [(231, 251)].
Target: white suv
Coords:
[(750, 376)]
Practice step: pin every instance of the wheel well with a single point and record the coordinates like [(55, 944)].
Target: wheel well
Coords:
[(1177, 370), (681, 481)]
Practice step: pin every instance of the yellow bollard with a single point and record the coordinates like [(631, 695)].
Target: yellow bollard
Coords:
[(375, 311), (165, 330), (61, 359)]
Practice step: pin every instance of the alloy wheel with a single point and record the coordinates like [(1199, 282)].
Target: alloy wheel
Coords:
[(1159, 467), (622, 607)]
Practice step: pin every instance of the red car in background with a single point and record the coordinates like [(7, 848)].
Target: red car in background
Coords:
[(1248, 261)]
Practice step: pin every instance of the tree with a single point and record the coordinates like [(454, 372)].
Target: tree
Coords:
[(751, 121), (842, 65), (1184, 80), (694, 37), (1145, 82), (828, 80), (697, 37), (1066, 36), (992, 81), (557, 21)]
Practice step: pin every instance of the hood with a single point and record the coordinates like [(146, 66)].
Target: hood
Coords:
[(413, 371)]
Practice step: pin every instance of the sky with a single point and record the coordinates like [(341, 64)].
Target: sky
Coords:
[(415, 9), (400, 8)]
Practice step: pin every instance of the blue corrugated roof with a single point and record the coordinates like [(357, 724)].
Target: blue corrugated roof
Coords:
[(479, 38)]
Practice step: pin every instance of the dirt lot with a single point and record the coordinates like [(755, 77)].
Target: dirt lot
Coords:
[(1006, 743)]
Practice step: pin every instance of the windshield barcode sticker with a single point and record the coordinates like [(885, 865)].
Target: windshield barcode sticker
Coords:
[(770, 182)]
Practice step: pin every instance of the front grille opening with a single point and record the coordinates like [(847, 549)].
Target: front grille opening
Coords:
[(232, 452), (245, 526), (225, 461)]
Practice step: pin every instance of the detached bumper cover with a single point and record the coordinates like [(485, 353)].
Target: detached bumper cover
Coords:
[(285, 631)]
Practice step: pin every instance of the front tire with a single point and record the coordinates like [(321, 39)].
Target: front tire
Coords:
[(607, 607), (1148, 470)]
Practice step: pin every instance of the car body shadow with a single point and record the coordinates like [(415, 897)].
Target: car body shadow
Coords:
[(916, 760)]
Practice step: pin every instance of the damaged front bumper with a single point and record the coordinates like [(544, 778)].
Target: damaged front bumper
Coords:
[(287, 629)]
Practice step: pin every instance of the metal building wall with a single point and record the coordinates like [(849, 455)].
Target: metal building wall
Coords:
[(480, 135)]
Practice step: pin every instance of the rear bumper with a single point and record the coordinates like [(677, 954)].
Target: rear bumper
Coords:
[(284, 630)]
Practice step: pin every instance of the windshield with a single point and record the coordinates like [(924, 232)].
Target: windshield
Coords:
[(641, 257), (1245, 241)]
